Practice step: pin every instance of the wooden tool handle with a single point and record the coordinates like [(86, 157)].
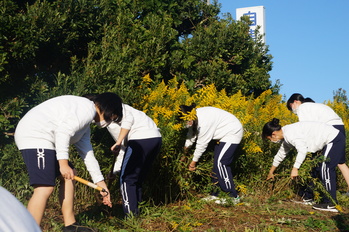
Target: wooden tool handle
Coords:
[(88, 183)]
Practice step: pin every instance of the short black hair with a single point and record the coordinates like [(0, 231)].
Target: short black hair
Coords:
[(109, 104), (297, 97), (270, 127), (90, 96)]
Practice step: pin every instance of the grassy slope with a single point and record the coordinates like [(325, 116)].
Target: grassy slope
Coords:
[(257, 212)]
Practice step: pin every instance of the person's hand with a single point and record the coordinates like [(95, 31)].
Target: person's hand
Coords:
[(105, 195), (185, 150), (294, 173), (271, 173), (65, 170), (115, 148), (111, 176), (192, 166), (270, 176)]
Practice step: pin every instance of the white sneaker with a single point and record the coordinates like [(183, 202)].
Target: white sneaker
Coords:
[(304, 201), (236, 200), (223, 201), (326, 207), (210, 198)]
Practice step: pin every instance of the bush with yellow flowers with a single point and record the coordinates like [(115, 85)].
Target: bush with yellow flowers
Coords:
[(254, 156)]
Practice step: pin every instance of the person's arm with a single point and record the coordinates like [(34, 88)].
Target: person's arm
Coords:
[(301, 147), (205, 135), (278, 158), (294, 173), (126, 124), (63, 133), (122, 135), (191, 137), (281, 154), (85, 150), (203, 138), (65, 170), (192, 166), (62, 145), (106, 195), (271, 173), (302, 151)]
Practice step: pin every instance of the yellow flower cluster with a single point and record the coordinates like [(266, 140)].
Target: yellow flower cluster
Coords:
[(190, 116), (342, 110), (242, 188), (185, 226), (162, 104), (147, 79), (187, 207), (177, 127)]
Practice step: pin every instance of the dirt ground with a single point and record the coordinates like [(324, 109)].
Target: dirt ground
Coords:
[(252, 214), (280, 216)]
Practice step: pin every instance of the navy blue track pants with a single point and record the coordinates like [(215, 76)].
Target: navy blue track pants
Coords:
[(139, 156), (334, 153), (223, 157)]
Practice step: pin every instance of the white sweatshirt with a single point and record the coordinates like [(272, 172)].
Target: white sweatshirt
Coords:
[(57, 123), (318, 112), (114, 130), (305, 137), (213, 124), (14, 216), (140, 126)]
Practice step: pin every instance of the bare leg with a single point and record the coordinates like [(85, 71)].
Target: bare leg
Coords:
[(37, 203), (66, 199), (345, 172)]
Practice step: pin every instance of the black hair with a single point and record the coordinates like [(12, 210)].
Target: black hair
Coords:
[(109, 104), (90, 96), (183, 109), (297, 97), (270, 127)]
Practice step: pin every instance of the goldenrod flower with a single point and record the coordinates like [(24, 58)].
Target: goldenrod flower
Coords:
[(147, 79), (340, 209), (190, 116)]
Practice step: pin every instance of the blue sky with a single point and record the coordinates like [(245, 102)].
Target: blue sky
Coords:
[(309, 42)]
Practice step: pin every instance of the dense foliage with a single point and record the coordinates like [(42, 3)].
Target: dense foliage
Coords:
[(50, 48)]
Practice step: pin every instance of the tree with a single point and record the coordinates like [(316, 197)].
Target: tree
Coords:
[(39, 41), (340, 96), (223, 53), (50, 48)]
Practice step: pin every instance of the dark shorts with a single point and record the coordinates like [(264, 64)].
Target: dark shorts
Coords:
[(42, 166)]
